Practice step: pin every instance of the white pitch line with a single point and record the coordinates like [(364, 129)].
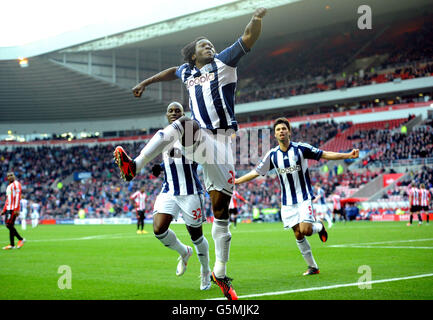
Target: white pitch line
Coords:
[(328, 287), (381, 242), (98, 237), (389, 247)]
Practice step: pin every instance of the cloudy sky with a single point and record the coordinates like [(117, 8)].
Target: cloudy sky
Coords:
[(26, 21)]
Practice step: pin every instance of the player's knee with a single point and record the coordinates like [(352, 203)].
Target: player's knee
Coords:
[(306, 229), (221, 213), (195, 233), (159, 229), (298, 235), (220, 208)]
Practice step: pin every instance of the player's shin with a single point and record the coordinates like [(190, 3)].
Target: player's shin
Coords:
[(202, 248), (158, 143), (304, 247), (170, 240), (222, 238)]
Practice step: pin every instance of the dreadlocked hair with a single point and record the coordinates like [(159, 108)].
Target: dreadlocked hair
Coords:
[(189, 50)]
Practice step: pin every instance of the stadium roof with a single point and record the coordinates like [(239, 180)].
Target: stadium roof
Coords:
[(104, 37), (215, 23), (46, 92)]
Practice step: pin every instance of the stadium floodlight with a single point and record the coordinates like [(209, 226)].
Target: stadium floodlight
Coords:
[(23, 62)]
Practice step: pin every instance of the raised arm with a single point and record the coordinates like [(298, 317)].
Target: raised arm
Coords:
[(248, 177), (329, 155), (253, 28), (165, 75)]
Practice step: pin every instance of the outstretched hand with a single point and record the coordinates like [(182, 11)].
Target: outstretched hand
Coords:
[(259, 13), (138, 90), (354, 154)]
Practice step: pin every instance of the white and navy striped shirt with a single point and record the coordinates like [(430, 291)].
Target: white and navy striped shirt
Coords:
[(181, 176), (321, 195), (212, 88), (23, 206), (291, 167), (35, 207)]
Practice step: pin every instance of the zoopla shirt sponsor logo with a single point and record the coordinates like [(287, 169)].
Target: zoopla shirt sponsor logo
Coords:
[(291, 169), (200, 80)]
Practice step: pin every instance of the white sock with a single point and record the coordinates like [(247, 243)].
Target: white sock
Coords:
[(328, 219), (202, 248), (305, 249), (170, 240), (220, 268), (24, 224), (222, 238), (317, 227), (161, 140)]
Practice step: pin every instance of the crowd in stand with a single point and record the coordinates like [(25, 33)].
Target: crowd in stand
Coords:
[(410, 71), (339, 107), (47, 177), (407, 56), (395, 145), (400, 190), (48, 173)]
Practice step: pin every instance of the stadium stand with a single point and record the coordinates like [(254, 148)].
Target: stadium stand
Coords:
[(342, 142), (402, 51)]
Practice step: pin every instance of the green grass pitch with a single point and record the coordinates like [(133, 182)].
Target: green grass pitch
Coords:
[(112, 262)]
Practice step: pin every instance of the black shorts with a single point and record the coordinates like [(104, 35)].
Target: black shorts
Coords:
[(415, 209), (233, 211), (424, 208), (140, 214), (338, 211), (10, 217)]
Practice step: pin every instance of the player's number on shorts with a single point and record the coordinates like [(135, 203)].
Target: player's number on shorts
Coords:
[(196, 214)]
